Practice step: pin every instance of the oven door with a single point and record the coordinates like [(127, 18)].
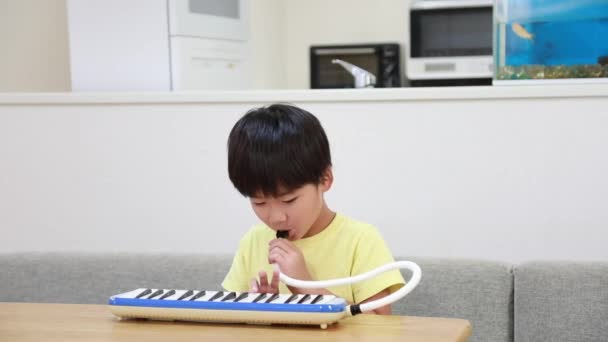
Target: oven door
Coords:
[(325, 74), (450, 40)]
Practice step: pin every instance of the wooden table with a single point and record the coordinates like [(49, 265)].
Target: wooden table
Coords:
[(76, 322)]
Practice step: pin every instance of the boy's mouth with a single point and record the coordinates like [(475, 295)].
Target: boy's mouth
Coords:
[(282, 234)]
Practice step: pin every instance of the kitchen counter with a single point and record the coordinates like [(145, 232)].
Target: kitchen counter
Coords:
[(465, 172), (307, 95)]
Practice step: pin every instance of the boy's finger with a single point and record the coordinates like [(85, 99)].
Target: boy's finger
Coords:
[(275, 280), (263, 279), (278, 248), (276, 258), (283, 244), (253, 286)]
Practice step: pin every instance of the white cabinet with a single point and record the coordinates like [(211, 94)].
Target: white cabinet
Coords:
[(158, 45), (219, 19)]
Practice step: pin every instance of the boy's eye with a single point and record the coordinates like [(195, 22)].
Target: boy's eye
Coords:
[(259, 203), (291, 200)]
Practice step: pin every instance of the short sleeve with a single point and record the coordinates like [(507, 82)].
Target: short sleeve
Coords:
[(372, 252), (236, 279)]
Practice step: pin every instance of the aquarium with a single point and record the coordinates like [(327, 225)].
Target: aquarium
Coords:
[(550, 41)]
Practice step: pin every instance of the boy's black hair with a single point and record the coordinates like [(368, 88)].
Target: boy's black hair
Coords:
[(274, 148)]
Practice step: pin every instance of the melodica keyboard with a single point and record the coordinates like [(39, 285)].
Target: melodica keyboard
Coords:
[(228, 307)]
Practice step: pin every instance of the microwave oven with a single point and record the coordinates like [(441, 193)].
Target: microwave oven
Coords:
[(450, 43), (382, 60)]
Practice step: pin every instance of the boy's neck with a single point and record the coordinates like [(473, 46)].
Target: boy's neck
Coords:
[(322, 222)]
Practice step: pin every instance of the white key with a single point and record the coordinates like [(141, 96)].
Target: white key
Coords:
[(194, 293), (208, 295), (249, 298), (176, 295), (155, 297), (226, 293), (204, 297), (238, 294), (326, 299), (306, 301), (293, 301), (216, 298), (165, 291), (131, 294), (179, 293), (282, 298), (253, 296), (148, 295)]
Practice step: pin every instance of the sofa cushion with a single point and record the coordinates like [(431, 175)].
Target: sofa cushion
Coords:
[(92, 278), (480, 291), (561, 301), (475, 290)]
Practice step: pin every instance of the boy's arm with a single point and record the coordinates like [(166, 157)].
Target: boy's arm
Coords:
[(372, 252), (236, 278), (384, 310), (291, 261)]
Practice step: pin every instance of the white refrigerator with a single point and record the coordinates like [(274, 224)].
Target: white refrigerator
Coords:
[(159, 45)]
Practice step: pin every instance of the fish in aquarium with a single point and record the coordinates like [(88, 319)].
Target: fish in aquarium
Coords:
[(551, 39), (521, 31)]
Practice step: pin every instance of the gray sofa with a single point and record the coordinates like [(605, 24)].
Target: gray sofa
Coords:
[(536, 301)]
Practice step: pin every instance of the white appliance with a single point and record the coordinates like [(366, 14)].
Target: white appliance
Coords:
[(449, 43), (158, 45)]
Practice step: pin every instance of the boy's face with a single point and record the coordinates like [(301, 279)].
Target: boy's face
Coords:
[(295, 211)]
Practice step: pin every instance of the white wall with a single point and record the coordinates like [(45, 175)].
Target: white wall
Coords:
[(34, 46), (504, 179), (35, 54), (268, 44)]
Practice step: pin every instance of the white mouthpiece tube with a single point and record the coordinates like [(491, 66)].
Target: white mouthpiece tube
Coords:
[(369, 306)]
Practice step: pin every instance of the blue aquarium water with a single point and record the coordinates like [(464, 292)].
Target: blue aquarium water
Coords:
[(542, 39)]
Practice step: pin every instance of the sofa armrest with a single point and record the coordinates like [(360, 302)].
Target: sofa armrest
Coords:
[(561, 301)]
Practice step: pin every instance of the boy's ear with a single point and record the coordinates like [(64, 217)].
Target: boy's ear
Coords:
[(327, 179)]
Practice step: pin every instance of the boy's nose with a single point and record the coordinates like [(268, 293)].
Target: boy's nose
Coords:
[(277, 217)]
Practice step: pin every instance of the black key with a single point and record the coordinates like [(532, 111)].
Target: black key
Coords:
[(156, 293), (317, 298), (292, 297), (169, 293), (241, 296), (273, 297), (305, 298), (219, 294), (259, 298), (198, 295), (229, 296), (143, 293), (186, 295)]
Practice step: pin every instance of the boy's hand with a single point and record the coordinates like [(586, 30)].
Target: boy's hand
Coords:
[(262, 286), (289, 258)]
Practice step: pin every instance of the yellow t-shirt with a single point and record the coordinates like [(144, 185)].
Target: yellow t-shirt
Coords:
[(345, 248)]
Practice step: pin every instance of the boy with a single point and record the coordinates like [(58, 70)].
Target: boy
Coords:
[(278, 157)]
